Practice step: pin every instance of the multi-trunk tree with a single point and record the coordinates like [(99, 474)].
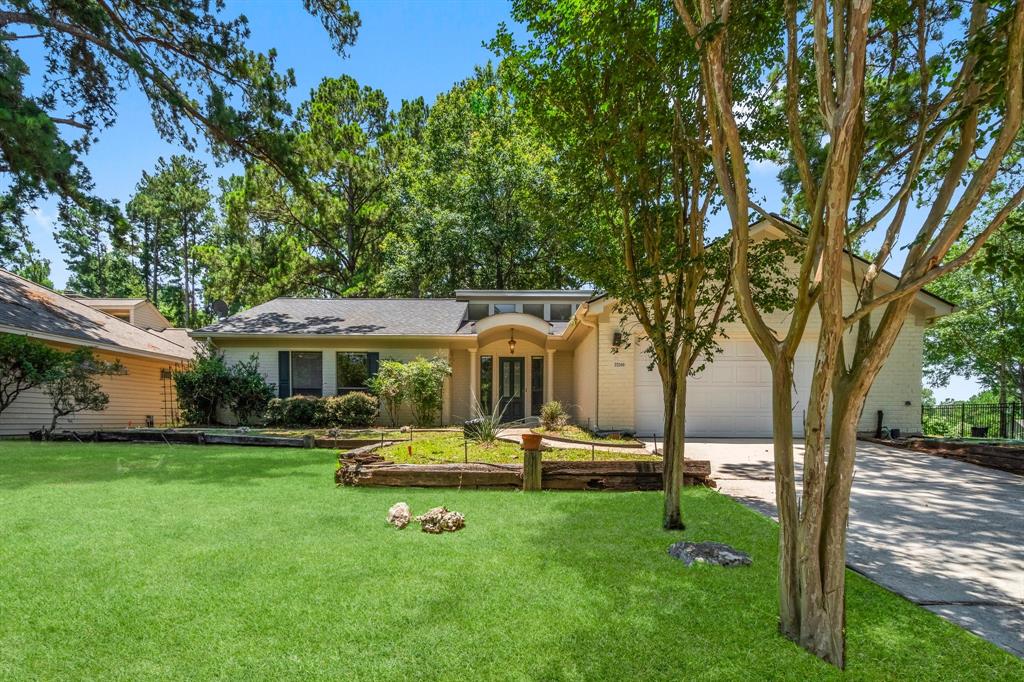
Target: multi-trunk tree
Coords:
[(627, 121), (879, 105)]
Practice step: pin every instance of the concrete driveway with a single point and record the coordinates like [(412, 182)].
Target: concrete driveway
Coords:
[(945, 534)]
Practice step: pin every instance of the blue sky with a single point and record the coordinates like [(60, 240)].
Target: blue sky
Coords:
[(406, 49)]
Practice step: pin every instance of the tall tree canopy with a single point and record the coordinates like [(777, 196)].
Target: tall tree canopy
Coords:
[(171, 214), (984, 339), (625, 116), (190, 61), (479, 198), (878, 105), (91, 251)]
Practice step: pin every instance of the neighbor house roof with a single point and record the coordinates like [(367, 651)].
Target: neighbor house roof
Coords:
[(345, 317), (34, 310)]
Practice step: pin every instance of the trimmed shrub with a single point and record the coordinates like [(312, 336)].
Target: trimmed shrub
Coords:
[(248, 393), (355, 409), (276, 413), (301, 410), (202, 387), (553, 416)]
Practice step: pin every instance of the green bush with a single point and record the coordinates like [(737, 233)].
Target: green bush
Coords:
[(202, 387), (356, 409), (553, 416), (424, 383), (389, 385), (276, 412), (301, 410), (208, 384), (248, 392)]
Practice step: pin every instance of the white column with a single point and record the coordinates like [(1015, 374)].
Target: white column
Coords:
[(474, 382), (549, 377)]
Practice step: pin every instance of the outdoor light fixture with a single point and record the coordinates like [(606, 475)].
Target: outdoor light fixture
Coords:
[(512, 343), (617, 339)]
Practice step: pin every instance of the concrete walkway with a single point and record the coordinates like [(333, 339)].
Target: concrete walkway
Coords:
[(945, 534)]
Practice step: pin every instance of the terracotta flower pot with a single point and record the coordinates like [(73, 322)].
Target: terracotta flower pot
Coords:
[(531, 441)]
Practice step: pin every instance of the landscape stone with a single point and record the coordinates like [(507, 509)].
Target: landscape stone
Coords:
[(715, 553)]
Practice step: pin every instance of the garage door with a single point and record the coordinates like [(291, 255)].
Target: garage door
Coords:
[(731, 397)]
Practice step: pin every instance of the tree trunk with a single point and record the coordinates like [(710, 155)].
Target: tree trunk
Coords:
[(675, 443), (785, 497)]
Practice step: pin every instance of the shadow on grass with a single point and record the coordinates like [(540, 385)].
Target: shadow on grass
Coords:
[(26, 464)]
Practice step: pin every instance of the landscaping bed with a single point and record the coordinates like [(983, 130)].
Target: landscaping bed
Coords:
[(610, 475), (183, 562), (211, 437), (447, 446), (1009, 457), (574, 434)]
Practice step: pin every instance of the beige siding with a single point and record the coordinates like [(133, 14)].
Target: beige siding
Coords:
[(563, 380), (616, 374), (585, 379), (268, 359), (461, 409), (148, 317), (133, 396)]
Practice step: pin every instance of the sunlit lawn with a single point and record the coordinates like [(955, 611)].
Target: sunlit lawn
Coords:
[(152, 562)]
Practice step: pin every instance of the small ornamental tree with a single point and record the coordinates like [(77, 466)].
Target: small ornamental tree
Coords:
[(72, 387), (423, 385), (389, 385), (24, 364)]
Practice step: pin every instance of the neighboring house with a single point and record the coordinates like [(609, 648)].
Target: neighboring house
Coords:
[(568, 346), (143, 391)]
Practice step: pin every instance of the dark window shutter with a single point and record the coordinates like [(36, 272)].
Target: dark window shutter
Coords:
[(284, 366), (373, 360)]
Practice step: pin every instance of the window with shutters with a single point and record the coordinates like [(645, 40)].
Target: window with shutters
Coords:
[(307, 373), (354, 370)]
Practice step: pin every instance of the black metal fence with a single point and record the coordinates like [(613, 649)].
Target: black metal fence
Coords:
[(974, 420)]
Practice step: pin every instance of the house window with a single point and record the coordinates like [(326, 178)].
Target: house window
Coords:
[(536, 384), (477, 311), (535, 309), (561, 312), (354, 370), (307, 373), (504, 308), (486, 382)]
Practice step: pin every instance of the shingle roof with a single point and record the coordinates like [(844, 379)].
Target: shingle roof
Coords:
[(29, 307), (346, 317)]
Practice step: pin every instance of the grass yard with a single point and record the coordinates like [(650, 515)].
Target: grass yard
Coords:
[(154, 562), (432, 447)]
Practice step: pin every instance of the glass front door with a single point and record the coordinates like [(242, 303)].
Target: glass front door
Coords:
[(511, 385)]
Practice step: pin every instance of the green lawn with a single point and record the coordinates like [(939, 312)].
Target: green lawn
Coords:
[(430, 447), (149, 561)]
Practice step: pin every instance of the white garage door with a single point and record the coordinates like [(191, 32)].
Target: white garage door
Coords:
[(731, 397)]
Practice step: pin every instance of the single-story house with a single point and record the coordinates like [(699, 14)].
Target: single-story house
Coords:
[(528, 347), (143, 392)]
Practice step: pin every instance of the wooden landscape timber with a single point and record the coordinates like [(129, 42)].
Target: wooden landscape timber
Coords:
[(1009, 458), (608, 475), (192, 437)]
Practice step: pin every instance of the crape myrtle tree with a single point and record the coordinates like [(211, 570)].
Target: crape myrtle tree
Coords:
[(188, 58), (629, 128), (879, 105)]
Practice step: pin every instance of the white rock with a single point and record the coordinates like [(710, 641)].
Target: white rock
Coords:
[(399, 515)]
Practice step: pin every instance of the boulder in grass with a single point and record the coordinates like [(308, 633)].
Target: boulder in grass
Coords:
[(399, 515), (441, 520), (715, 553)]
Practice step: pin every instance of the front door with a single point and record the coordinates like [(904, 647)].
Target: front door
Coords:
[(511, 382)]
